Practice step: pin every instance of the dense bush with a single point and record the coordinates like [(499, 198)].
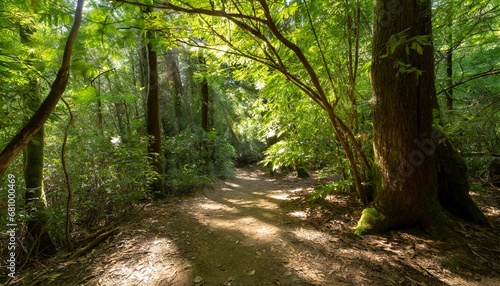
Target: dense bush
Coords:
[(195, 157), (107, 179)]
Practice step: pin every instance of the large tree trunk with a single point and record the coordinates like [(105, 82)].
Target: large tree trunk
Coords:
[(153, 122), (403, 94), (36, 122)]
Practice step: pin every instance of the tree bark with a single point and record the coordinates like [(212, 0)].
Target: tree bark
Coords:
[(153, 122), (177, 90), (406, 186), (205, 97), (454, 185), (38, 238), (19, 141), (449, 58)]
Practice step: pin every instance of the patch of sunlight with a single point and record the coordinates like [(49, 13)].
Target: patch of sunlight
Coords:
[(232, 185), (249, 177), (296, 190), (259, 193), (146, 262), (298, 214), (214, 206), (279, 196), (248, 226), (311, 235)]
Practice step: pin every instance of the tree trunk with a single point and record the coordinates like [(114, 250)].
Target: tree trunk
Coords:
[(449, 58), (449, 74), (406, 186), (174, 76), (39, 242), (38, 239), (204, 97), (58, 87), (100, 118), (153, 122), (454, 185)]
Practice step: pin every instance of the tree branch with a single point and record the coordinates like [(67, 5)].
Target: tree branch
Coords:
[(57, 89), (469, 78)]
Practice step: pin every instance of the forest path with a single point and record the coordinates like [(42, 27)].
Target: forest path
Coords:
[(237, 233), (258, 230)]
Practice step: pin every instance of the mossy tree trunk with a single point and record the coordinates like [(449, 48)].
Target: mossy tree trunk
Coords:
[(38, 240), (406, 185)]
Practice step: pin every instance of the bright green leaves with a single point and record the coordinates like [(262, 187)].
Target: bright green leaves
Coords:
[(401, 39), (399, 42), (416, 46)]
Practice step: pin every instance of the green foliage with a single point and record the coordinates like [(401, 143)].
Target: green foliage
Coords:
[(467, 30), (186, 180), (195, 158), (342, 186), (107, 179)]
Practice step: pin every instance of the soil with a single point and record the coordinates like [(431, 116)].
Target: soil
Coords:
[(255, 229)]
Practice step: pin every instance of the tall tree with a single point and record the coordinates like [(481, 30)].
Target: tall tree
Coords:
[(153, 121), (406, 177), (176, 87), (205, 96)]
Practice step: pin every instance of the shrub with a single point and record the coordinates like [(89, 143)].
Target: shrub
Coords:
[(194, 158)]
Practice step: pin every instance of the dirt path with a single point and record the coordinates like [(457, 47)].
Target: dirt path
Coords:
[(235, 234), (257, 230)]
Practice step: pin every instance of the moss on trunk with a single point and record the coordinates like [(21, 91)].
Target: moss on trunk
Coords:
[(39, 242)]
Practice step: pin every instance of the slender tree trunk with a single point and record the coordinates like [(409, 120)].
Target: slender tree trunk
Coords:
[(38, 238), (449, 58), (153, 122), (449, 74), (58, 87), (100, 119), (177, 90), (205, 97), (406, 186), (39, 241)]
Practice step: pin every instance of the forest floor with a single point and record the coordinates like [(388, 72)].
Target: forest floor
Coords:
[(258, 230)]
